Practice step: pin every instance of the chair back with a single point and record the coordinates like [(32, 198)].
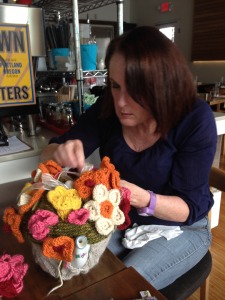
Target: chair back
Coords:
[(217, 179)]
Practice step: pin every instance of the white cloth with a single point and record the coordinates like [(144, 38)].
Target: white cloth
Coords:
[(138, 236)]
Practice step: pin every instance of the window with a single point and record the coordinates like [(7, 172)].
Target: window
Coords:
[(208, 34), (169, 31)]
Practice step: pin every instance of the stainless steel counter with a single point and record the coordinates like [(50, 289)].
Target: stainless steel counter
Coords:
[(37, 143), (19, 165)]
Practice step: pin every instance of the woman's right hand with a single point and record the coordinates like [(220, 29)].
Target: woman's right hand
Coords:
[(70, 154)]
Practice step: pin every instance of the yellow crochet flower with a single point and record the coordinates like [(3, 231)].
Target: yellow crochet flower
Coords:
[(64, 200), (104, 209)]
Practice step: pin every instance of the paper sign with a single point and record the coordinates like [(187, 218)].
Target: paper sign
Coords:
[(16, 69)]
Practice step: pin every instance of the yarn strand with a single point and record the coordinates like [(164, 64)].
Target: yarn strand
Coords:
[(60, 277)]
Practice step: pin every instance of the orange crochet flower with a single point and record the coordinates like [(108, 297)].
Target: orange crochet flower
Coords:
[(43, 168), (102, 176), (60, 248), (115, 180), (36, 196), (114, 177), (53, 167), (11, 218), (85, 184), (33, 174), (105, 163), (49, 167), (106, 175)]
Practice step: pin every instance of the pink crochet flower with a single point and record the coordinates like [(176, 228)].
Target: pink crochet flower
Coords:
[(39, 223), (12, 271), (79, 216)]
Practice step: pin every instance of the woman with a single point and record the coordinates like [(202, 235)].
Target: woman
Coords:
[(161, 138)]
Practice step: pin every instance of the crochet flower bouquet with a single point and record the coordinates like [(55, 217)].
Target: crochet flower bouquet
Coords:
[(69, 219)]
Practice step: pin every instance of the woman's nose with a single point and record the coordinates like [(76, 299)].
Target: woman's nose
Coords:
[(123, 99)]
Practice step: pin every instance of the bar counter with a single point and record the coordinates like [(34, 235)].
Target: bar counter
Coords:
[(19, 165), (36, 142)]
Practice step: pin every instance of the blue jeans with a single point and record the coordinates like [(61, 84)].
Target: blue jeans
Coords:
[(162, 261)]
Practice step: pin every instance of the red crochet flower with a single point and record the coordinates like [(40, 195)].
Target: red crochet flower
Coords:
[(7, 289), (12, 271), (125, 207)]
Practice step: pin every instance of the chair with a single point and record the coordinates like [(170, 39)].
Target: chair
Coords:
[(198, 276)]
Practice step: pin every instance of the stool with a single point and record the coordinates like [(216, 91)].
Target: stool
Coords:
[(188, 283)]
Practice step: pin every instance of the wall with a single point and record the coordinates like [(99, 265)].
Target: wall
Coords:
[(145, 12), (108, 12)]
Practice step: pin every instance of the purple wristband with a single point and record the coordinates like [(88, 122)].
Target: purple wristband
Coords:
[(150, 209)]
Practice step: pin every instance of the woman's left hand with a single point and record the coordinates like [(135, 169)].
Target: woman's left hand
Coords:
[(139, 196)]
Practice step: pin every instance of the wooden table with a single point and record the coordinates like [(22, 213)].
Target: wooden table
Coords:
[(124, 285), (216, 101), (110, 279)]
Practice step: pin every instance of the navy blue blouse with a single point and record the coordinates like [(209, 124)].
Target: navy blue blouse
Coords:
[(178, 165)]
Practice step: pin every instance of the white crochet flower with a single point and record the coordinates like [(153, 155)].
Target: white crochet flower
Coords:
[(104, 209)]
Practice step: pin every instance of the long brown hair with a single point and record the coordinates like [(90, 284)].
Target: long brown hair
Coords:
[(156, 75)]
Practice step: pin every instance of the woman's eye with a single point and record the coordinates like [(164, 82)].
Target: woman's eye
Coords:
[(114, 85)]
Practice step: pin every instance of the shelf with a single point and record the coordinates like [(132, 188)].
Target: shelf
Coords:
[(53, 128), (86, 74), (51, 7), (70, 9)]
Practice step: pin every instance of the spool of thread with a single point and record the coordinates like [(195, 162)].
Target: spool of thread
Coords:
[(81, 251)]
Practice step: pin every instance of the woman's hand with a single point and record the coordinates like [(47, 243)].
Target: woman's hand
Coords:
[(69, 154), (171, 208), (139, 197)]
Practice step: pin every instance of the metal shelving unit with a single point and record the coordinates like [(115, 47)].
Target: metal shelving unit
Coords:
[(86, 74), (64, 6), (71, 9)]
